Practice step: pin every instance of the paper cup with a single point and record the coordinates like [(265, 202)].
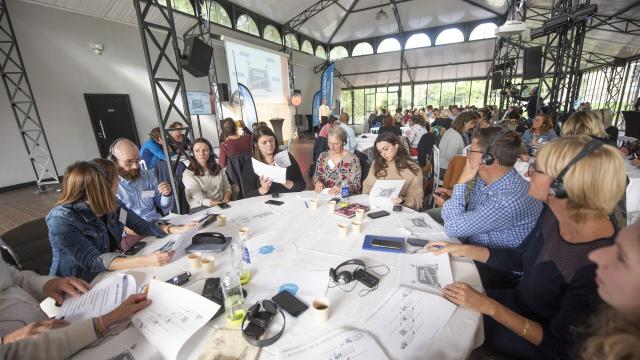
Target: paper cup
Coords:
[(360, 214), (343, 229), (356, 226), (331, 206), (208, 263), (222, 220), (313, 204), (243, 232), (194, 260), (321, 309)]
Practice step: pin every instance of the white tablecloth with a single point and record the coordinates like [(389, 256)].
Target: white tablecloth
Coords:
[(633, 191), (365, 141), (315, 234)]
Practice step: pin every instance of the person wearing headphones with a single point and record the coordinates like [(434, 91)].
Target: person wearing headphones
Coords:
[(337, 167), (151, 151), (556, 293), (496, 210)]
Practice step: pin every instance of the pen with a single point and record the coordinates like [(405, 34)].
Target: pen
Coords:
[(306, 205)]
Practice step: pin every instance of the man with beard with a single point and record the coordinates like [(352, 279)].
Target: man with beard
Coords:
[(139, 189)]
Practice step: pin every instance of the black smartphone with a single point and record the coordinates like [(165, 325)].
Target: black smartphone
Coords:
[(224, 205), (135, 248), (367, 278), (289, 303), (274, 202), (213, 292), (397, 207), (388, 244), (378, 214), (208, 220), (180, 279), (417, 242)]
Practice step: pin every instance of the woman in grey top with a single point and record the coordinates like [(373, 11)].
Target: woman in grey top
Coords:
[(455, 139), (205, 182)]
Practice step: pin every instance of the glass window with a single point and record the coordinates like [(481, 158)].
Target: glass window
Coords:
[(360, 111), (449, 36), (345, 101), (483, 31), (182, 6), (218, 14), (433, 94), (420, 96), (363, 48), (418, 41), (245, 23), (392, 102), (272, 34), (447, 93), (320, 52), (405, 101), (291, 41), (338, 52), (462, 93), (477, 92), (388, 45), (307, 47)]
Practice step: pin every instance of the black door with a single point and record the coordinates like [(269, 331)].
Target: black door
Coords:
[(111, 118)]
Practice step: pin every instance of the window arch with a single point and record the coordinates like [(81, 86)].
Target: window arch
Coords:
[(182, 6), (388, 45), (483, 31), (417, 41), (291, 41), (218, 14), (449, 36), (321, 52), (272, 34), (338, 52), (363, 48), (247, 24), (307, 47)]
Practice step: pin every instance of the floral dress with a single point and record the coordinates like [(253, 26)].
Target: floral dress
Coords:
[(346, 171)]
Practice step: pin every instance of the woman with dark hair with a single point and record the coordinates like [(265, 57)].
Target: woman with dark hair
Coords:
[(455, 139), (485, 118), (151, 151), (231, 143), (541, 131), (176, 137), (205, 182), (393, 163), (420, 127), (390, 126), (265, 147)]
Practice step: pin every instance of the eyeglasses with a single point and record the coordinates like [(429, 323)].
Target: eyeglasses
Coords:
[(131, 162), (469, 151), (533, 169)]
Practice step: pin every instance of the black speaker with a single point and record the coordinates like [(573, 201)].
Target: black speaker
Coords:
[(496, 80), (619, 62), (196, 56), (223, 92), (532, 64)]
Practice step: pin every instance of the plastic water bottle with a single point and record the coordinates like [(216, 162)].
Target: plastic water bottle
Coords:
[(344, 194), (233, 300), (240, 260)]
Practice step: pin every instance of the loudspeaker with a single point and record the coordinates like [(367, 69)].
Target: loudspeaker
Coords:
[(496, 80), (619, 62), (223, 92), (532, 65), (196, 56)]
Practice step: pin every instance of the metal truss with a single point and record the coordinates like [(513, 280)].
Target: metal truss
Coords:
[(157, 29), (23, 104), (615, 89), (615, 24)]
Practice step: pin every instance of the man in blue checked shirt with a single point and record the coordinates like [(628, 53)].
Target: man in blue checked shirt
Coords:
[(496, 211), (139, 189)]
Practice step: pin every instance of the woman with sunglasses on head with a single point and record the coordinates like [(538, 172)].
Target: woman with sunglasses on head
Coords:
[(556, 291), (86, 225)]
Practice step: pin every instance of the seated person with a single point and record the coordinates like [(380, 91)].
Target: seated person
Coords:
[(151, 151), (441, 120), (587, 123), (324, 130), (176, 137), (26, 331), (455, 139), (205, 182), (265, 147), (231, 143), (389, 125), (337, 167), (393, 163), (499, 212), (86, 225), (615, 333), (541, 131), (420, 127), (139, 189), (556, 292), (351, 135)]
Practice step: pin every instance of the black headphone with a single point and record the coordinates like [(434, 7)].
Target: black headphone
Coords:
[(94, 164), (557, 185), (345, 277), (113, 145), (259, 316), (487, 157)]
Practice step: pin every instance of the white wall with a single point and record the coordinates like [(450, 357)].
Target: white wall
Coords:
[(61, 66)]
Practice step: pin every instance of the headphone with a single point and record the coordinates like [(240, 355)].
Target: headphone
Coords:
[(94, 164), (259, 316), (557, 185), (487, 157), (345, 277), (113, 145)]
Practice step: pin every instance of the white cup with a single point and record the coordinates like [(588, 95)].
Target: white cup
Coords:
[(321, 309), (208, 264), (356, 226), (313, 204), (243, 232), (194, 260), (343, 229), (359, 214), (222, 220), (331, 205)]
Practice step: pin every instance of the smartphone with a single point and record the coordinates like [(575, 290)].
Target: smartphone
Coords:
[(378, 214), (180, 279), (417, 242), (209, 219), (224, 205), (388, 244), (135, 248), (274, 202), (289, 303), (213, 292), (365, 277)]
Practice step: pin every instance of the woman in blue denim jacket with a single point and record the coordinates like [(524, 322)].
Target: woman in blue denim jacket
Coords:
[(86, 226), (541, 131)]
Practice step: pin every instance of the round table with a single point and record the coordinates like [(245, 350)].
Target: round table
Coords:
[(314, 233)]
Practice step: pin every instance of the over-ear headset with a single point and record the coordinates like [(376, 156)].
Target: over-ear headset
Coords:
[(98, 167), (557, 185), (345, 277), (259, 316), (113, 145), (487, 157)]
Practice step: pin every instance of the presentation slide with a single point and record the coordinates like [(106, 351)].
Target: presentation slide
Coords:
[(199, 103), (263, 72)]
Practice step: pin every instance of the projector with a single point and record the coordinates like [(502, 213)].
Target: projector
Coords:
[(511, 27)]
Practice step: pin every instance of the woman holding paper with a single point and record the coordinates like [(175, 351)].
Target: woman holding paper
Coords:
[(86, 226), (393, 163), (337, 167), (265, 149), (532, 316), (205, 182)]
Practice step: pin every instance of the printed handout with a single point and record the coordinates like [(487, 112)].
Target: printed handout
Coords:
[(275, 173), (382, 192), (425, 271), (424, 226), (282, 159), (263, 250), (128, 345)]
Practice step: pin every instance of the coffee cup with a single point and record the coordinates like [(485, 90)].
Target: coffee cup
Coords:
[(194, 260), (243, 232), (222, 220), (208, 263), (321, 309), (313, 204), (359, 214), (331, 205), (343, 229), (356, 226)]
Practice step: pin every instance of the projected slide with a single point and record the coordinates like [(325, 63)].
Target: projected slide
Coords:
[(263, 72)]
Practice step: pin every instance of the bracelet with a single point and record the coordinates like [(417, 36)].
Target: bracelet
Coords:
[(526, 327)]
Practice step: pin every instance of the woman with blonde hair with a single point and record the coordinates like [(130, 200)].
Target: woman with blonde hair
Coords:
[(86, 225), (585, 123), (533, 316)]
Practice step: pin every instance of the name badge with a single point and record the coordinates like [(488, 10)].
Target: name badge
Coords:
[(148, 194), (331, 164), (123, 216)]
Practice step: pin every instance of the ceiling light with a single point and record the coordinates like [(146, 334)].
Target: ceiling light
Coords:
[(381, 15)]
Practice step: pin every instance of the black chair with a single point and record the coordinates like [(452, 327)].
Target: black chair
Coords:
[(320, 145), (162, 173), (365, 165), (240, 173), (27, 247), (631, 123)]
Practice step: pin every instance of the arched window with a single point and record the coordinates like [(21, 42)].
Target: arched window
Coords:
[(388, 45), (247, 24), (363, 48), (218, 14), (182, 6), (338, 52), (272, 34), (307, 47), (291, 41), (321, 52), (418, 41), (449, 36), (483, 31)]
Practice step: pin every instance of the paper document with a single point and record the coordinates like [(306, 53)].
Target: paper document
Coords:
[(275, 173), (424, 226), (174, 315), (128, 345), (103, 297), (282, 159), (264, 250), (307, 285), (310, 194), (382, 192), (425, 271), (339, 344), (407, 320)]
